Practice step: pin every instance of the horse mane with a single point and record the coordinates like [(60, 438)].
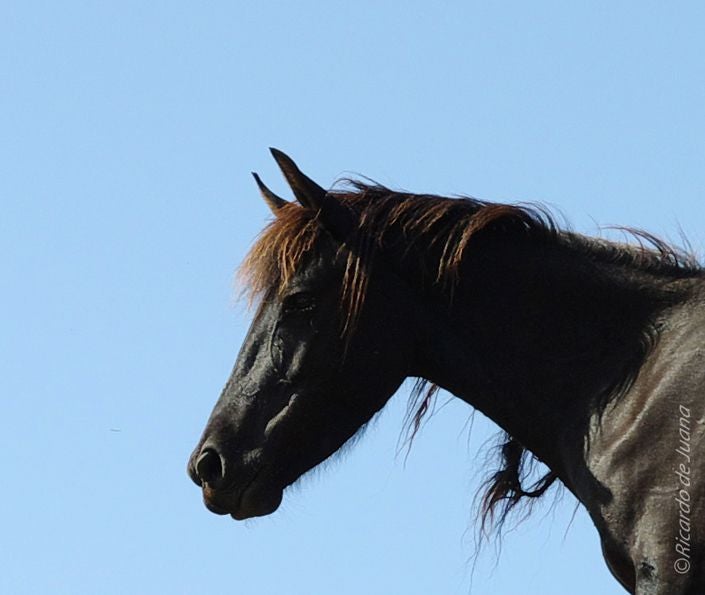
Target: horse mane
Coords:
[(447, 224), (443, 228)]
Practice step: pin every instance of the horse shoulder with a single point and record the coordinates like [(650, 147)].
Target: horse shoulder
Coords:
[(642, 483)]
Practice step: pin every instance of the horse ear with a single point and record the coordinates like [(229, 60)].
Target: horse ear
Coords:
[(273, 201), (332, 214), (306, 191)]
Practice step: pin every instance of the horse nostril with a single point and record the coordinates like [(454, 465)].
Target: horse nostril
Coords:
[(209, 467)]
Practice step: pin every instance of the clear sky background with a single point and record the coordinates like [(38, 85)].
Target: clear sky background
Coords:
[(128, 131)]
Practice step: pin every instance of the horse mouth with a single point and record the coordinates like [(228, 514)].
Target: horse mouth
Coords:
[(258, 497)]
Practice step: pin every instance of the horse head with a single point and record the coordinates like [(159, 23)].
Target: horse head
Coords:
[(305, 380)]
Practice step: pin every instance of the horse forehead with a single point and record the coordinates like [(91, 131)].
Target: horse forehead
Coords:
[(324, 261)]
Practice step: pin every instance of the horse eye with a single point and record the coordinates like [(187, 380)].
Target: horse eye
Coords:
[(299, 302)]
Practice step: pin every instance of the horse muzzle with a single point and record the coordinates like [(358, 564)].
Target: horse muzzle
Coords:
[(242, 490)]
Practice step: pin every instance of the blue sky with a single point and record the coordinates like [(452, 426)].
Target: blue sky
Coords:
[(129, 131)]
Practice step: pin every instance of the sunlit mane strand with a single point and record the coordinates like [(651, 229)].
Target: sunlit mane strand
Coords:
[(278, 252)]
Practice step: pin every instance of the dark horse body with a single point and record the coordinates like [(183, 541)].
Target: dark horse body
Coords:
[(589, 355)]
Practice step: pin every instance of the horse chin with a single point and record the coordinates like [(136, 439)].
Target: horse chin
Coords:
[(259, 498), (257, 502)]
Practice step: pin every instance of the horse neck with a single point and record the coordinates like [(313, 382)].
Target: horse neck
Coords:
[(540, 335)]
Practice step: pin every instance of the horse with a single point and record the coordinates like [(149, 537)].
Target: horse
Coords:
[(588, 354)]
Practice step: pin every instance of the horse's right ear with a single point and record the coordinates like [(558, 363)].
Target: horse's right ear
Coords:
[(273, 201)]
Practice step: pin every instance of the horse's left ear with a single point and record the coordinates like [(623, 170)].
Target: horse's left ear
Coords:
[(306, 191), (333, 216)]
